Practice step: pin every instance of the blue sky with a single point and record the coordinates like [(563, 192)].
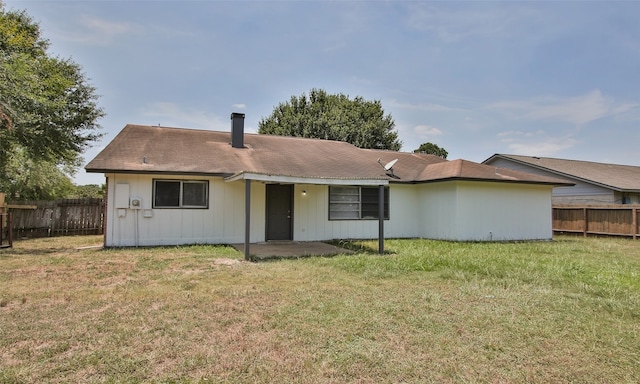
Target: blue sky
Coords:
[(557, 79)]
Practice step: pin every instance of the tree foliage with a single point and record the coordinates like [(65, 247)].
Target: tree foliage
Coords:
[(89, 190), (432, 149), (333, 117), (48, 111), (33, 179)]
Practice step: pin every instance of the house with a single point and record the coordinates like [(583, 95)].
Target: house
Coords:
[(170, 186), (595, 183)]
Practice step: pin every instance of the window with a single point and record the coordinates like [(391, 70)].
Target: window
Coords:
[(180, 194), (356, 203)]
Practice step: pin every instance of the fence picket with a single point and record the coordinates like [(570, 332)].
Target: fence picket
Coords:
[(61, 217), (610, 220)]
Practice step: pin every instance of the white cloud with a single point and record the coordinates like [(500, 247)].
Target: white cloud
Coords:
[(453, 24), (98, 31), (541, 148), (427, 107), (579, 110), (239, 106), (425, 131), (175, 115), (537, 143)]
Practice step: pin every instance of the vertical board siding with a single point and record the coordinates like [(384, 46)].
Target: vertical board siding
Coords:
[(311, 216), (438, 211), (221, 223), (485, 211), (615, 220), (63, 217), (452, 210), (499, 212)]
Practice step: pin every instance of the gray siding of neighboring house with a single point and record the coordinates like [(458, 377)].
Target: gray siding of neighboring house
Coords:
[(580, 193)]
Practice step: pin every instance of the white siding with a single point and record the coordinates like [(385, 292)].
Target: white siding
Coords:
[(222, 223), (453, 210), (438, 211), (481, 211), (496, 211), (311, 216), (405, 222)]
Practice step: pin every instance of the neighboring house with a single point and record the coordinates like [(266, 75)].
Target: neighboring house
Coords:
[(170, 186), (595, 183)]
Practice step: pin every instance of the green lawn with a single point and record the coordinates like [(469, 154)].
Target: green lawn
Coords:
[(566, 311)]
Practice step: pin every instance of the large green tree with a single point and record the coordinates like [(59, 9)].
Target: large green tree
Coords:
[(48, 110), (432, 149), (32, 179), (333, 117)]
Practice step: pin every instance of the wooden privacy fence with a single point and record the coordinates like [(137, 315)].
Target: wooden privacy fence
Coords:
[(610, 220), (62, 217), (6, 238)]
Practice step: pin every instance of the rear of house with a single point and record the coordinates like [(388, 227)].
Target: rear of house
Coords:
[(169, 186)]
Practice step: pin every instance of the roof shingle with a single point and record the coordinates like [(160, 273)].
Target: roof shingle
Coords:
[(151, 149), (615, 176)]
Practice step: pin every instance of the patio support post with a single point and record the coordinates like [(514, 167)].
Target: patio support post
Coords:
[(247, 218), (381, 219)]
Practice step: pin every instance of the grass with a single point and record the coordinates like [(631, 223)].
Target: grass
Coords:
[(566, 311)]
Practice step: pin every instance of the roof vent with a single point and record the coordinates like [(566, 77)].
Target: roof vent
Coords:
[(237, 130)]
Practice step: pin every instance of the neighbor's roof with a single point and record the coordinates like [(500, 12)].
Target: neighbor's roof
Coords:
[(624, 178), (152, 149)]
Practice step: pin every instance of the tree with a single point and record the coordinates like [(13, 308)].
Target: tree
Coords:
[(333, 117), (32, 179), (90, 190), (432, 149), (48, 111)]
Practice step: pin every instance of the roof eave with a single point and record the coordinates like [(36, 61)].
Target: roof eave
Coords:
[(273, 178), (614, 188), (149, 172), (531, 182)]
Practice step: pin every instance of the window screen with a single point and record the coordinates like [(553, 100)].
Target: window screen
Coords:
[(356, 203)]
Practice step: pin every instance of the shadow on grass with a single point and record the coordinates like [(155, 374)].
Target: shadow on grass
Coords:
[(10, 252), (42, 250), (167, 247), (359, 246)]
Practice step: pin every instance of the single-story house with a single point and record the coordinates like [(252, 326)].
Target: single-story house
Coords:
[(594, 183), (169, 186)]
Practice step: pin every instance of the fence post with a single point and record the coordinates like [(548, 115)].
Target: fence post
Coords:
[(586, 222), (634, 213), (10, 226), (52, 219)]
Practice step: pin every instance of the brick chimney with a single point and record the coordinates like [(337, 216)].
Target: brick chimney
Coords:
[(237, 130)]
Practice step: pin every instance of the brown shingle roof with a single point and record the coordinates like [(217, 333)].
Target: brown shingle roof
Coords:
[(150, 149), (625, 178)]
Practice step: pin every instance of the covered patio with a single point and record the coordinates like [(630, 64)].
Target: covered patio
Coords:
[(289, 249)]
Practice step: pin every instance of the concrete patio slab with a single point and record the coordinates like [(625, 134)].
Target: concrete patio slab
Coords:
[(290, 249)]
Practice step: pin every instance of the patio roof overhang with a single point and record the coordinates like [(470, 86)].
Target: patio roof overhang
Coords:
[(288, 179), (249, 177)]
